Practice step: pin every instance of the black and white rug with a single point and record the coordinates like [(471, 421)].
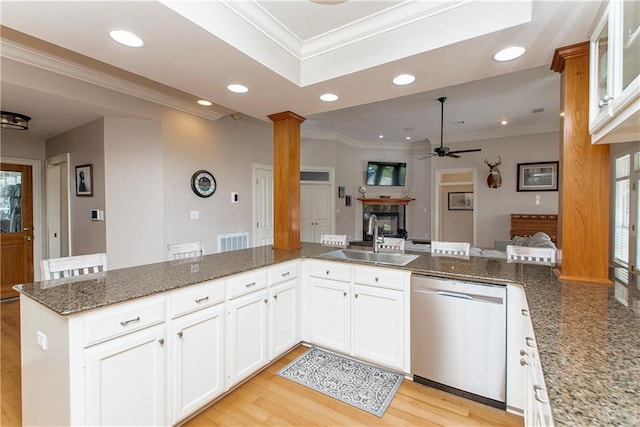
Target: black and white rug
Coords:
[(358, 384)]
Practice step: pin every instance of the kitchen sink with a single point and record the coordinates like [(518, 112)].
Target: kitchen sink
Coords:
[(373, 257)]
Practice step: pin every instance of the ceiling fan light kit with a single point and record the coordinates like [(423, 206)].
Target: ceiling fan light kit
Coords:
[(443, 151)]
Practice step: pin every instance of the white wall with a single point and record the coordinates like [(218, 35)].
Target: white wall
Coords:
[(86, 146), (133, 191), (227, 148), (496, 204)]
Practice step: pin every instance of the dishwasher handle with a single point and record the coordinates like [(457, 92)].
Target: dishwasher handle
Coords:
[(478, 298)]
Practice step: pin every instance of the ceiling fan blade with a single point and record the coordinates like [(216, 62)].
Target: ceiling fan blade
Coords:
[(465, 151), (426, 157), (451, 154)]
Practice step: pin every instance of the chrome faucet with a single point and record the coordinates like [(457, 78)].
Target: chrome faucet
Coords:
[(373, 229)]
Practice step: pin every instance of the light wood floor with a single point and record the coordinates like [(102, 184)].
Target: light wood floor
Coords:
[(268, 399)]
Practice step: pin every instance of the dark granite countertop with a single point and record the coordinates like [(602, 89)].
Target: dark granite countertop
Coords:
[(588, 334)]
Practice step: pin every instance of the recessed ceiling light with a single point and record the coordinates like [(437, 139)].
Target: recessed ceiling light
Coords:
[(126, 38), (380, 136), (509, 53), (205, 102), (237, 88), (329, 97), (404, 79), (407, 138), (504, 122)]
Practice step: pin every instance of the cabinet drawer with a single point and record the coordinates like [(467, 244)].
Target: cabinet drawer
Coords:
[(331, 270), (282, 273), (122, 319), (380, 277), (244, 283), (197, 297)]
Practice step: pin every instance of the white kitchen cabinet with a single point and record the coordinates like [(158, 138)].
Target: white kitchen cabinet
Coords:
[(379, 325), (329, 314), (614, 91), (517, 319), (246, 337), (125, 380), (198, 358), (283, 317), (526, 390)]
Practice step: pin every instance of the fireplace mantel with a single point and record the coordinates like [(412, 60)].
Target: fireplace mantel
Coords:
[(381, 201)]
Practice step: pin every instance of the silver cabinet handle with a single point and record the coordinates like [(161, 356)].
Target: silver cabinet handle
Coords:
[(327, 272), (356, 295), (524, 312), (248, 285), (180, 334), (266, 300), (344, 294), (126, 322), (530, 342), (541, 399), (522, 352), (523, 362), (199, 300), (376, 279), (275, 297), (285, 274), (161, 341)]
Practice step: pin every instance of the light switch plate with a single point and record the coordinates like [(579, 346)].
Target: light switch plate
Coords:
[(195, 214), (42, 340)]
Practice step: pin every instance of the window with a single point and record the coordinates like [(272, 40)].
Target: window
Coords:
[(626, 208)]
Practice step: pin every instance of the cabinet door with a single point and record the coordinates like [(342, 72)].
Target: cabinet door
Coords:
[(517, 319), (329, 314), (198, 360), (125, 380), (378, 325), (283, 317), (246, 335)]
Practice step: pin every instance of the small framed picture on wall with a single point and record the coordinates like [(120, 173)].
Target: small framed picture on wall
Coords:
[(84, 180)]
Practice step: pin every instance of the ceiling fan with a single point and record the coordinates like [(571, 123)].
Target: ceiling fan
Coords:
[(442, 151)]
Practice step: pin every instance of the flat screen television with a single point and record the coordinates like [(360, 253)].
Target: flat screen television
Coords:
[(386, 173)]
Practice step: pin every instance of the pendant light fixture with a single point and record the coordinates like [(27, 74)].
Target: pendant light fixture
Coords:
[(9, 120)]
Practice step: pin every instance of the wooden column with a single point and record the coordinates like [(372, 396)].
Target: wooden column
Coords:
[(584, 196), (286, 180)]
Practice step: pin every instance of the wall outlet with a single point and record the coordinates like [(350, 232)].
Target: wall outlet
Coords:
[(537, 199), (195, 214), (41, 339)]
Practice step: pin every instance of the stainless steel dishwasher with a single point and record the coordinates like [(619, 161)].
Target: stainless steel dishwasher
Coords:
[(458, 337)]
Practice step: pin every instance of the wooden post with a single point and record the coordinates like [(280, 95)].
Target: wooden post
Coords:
[(584, 196), (286, 180)]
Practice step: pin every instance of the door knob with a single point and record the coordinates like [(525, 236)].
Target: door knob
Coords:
[(27, 238)]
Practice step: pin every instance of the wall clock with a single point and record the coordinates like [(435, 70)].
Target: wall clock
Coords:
[(203, 183)]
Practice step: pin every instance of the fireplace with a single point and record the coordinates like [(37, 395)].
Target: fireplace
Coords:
[(390, 213)]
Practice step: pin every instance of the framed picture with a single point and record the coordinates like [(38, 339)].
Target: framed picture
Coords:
[(460, 201), (84, 180), (541, 176), (340, 192)]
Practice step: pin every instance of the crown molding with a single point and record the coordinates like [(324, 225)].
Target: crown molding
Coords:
[(51, 63)]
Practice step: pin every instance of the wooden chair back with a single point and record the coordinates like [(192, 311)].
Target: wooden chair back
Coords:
[(531, 255), (185, 250), (450, 248), (56, 268)]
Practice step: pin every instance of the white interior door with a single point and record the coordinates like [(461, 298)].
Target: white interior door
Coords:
[(263, 205), (315, 211)]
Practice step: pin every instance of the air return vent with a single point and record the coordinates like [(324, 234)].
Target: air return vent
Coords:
[(233, 241)]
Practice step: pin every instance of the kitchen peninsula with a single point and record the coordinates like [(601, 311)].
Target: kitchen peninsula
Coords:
[(588, 335)]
